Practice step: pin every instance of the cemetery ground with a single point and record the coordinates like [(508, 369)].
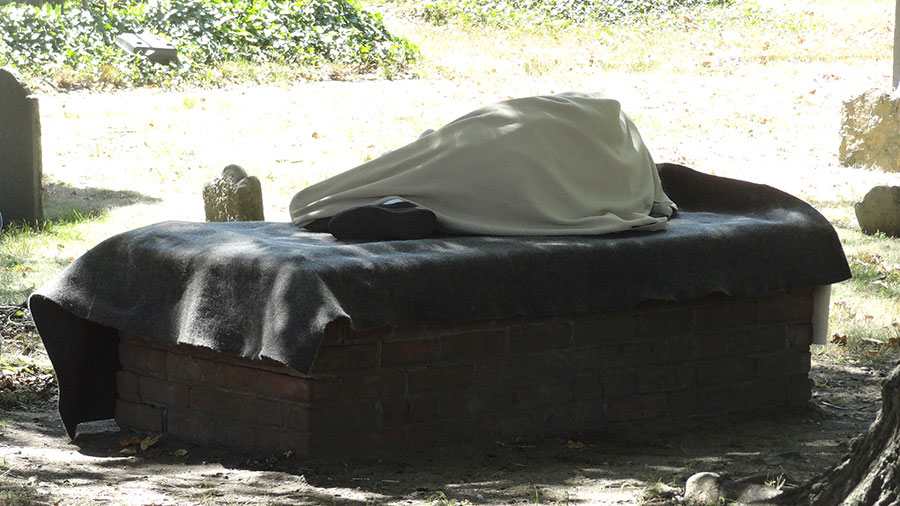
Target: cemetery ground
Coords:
[(759, 103)]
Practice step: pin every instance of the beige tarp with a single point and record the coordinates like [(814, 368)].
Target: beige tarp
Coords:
[(562, 164)]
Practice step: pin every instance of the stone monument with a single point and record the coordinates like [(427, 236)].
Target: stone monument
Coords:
[(879, 211), (233, 196), (20, 150), (870, 131)]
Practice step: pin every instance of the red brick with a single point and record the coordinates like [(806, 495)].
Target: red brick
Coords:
[(726, 314), (798, 391), (279, 441), (367, 336), (540, 395), (345, 358), (666, 379), (260, 411), (282, 386), (364, 386), (334, 333), (635, 407), (711, 400), (604, 328), (391, 411), (448, 433), (526, 339), (800, 335), (480, 346), (758, 395), (193, 426), (343, 417), (163, 393), (784, 308), (190, 369), (440, 378), (619, 381), (589, 386), (637, 354), (127, 386), (235, 377), (661, 323), (243, 407), (513, 371), (590, 412), (781, 365), (236, 434), (403, 353), (423, 408), (770, 339), (567, 363), (718, 372), (136, 357), (296, 418), (139, 416)]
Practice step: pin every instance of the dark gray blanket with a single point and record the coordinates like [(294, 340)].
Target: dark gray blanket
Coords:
[(259, 289)]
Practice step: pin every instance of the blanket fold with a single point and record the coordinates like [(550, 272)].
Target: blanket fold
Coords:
[(260, 289)]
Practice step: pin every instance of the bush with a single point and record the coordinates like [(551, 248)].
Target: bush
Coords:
[(76, 38), (533, 12)]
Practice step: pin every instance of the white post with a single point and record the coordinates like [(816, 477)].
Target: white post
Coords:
[(896, 77)]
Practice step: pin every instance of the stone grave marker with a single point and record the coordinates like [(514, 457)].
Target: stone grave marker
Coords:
[(233, 196), (20, 150)]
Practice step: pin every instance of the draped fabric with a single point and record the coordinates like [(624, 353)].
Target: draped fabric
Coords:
[(548, 165)]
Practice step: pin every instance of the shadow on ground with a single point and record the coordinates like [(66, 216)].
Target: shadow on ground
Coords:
[(63, 202)]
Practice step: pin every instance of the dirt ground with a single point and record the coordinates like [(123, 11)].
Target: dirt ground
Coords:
[(775, 124), (570, 469)]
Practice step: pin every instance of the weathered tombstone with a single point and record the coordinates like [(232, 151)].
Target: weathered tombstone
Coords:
[(20, 150), (233, 196), (879, 211), (870, 131)]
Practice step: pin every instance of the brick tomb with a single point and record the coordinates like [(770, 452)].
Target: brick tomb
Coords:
[(660, 364)]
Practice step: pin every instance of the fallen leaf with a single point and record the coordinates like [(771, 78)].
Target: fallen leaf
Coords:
[(315, 135), (131, 450), (132, 441), (180, 452), (149, 441), (288, 454), (575, 445)]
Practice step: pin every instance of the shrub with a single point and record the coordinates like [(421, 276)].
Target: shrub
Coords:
[(77, 37), (519, 12)]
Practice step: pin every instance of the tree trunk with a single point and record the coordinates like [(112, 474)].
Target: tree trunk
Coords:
[(870, 473)]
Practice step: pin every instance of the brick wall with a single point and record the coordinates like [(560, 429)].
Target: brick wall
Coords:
[(659, 364)]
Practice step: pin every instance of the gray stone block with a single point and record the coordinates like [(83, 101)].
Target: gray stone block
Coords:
[(233, 196), (879, 211), (20, 150)]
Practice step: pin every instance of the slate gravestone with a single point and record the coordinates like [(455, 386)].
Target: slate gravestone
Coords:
[(20, 151), (233, 196)]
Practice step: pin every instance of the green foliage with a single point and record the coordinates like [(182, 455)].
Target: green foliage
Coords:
[(535, 12), (75, 39)]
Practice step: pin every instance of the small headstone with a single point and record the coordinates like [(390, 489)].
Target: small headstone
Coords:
[(233, 196), (879, 211), (20, 150), (870, 131)]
